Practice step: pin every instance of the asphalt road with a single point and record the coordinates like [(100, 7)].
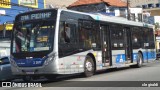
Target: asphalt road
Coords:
[(124, 77)]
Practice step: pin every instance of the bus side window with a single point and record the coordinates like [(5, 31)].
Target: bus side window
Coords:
[(86, 34), (67, 38), (136, 38), (149, 38), (117, 36), (61, 33), (65, 33)]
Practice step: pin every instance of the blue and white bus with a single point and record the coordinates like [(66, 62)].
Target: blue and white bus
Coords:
[(53, 42)]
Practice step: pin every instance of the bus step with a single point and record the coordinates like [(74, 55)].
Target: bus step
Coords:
[(105, 64)]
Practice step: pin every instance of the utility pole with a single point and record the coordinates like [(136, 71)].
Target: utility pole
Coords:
[(128, 12)]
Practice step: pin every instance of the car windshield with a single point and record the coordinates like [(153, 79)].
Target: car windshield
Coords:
[(33, 36)]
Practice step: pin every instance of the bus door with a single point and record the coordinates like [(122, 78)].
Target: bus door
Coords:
[(105, 42), (128, 45)]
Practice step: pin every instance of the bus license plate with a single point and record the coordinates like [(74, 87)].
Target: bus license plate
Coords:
[(29, 72)]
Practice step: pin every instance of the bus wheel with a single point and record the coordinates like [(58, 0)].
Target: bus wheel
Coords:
[(27, 78), (140, 60), (88, 67)]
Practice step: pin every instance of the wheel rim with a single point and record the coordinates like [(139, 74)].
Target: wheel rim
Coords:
[(89, 66)]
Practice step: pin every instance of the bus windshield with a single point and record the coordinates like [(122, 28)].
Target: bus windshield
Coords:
[(33, 36)]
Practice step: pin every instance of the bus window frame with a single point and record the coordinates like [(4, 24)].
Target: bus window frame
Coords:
[(118, 41)]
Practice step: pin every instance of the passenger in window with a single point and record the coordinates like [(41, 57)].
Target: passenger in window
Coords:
[(62, 33), (67, 31), (86, 38), (89, 43), (135, 40), (82, 33), (65, 34)]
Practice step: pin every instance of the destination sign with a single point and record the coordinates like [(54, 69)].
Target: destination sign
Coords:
[(34, 16)]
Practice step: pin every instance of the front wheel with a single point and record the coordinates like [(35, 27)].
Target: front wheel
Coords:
[(89, 67)]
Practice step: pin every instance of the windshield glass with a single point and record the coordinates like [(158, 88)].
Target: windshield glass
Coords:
[(33, 36)]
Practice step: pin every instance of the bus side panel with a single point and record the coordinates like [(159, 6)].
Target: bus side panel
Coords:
[(149, 54), (135, 55), (99, 64), (118, 58), (74, 63), (51, 68)]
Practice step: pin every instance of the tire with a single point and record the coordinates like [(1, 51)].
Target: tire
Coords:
[(139, 61), (89, 67), (27, 78)]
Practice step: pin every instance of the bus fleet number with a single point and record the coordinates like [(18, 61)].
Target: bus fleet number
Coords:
[(36, 62)]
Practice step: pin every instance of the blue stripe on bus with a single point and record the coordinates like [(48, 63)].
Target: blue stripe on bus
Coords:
[(149, 55), (34, 62), (135, 57), (120, 58)]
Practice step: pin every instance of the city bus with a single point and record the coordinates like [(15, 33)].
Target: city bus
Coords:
[(53, 42)]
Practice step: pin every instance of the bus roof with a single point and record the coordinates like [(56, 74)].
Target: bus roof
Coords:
[(100, 17), (113, 19)]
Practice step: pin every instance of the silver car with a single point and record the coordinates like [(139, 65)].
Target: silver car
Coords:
[(5, 69)]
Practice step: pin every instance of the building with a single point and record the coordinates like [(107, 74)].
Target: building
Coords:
[(58, 3), (151, 6), (145, 3), (136, 14), (10, 8), (107, 7)]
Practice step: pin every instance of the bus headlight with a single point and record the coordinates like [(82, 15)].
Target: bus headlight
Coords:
[(50, 59)]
